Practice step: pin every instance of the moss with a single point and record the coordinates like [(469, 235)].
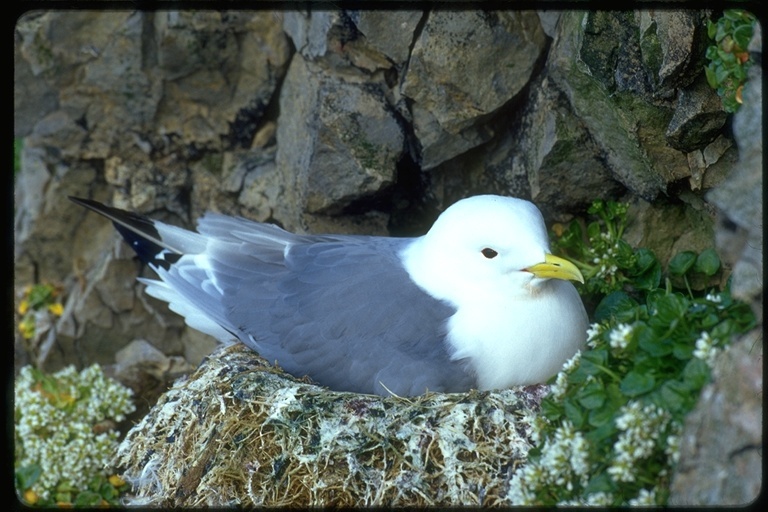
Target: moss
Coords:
[(651, 51)]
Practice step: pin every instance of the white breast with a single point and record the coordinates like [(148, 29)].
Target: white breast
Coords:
[(520, 340)]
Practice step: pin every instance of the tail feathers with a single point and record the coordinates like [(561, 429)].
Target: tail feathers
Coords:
[(154, 242)]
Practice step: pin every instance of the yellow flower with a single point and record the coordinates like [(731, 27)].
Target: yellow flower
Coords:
[(30, 496), (116, 481), (27, 327), (57, 309), (23, 307)]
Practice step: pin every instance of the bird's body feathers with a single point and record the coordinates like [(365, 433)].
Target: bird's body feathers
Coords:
[(360, 313)]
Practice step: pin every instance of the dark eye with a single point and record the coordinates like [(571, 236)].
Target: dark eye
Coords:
[(489, 253)]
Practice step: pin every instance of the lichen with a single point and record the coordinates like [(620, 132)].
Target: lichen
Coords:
[(240, 432)]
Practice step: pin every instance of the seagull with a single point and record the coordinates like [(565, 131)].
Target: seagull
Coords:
[(478, 302)]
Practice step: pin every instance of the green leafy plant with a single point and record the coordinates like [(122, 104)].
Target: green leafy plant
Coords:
[(65, 435), (728, 57), (606, 260), (608, 432)]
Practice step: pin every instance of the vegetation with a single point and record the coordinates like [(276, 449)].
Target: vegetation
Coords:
[(728, 57), (65, 436), (38, 301), (609, 429)]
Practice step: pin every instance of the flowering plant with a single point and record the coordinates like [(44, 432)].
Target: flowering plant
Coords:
[(65, 435), (609, 430)]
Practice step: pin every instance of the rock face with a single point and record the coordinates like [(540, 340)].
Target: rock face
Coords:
[(452, 84), (361, 122), (721, 452)]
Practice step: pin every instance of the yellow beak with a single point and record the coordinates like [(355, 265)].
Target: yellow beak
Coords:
[(554, 267)]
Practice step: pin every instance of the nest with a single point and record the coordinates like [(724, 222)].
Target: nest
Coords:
[(241, 432)]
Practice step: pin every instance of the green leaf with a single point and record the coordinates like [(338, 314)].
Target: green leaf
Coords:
[(722, 72), (87, 498), (735, 15), (592, 395), (644, 260), (647, 271), (599, 483), (683, 351), (665, 308), (636, 384), (709, 71), (574, 413), (724, 330), (696, 373), (602, 415), (600, 433), (682, 263), (550, 409), (743, 35), (108, 492), (707, 263), (63, 497), (612, 304), (677, 397), (26, 476), (593, 230), (572, 238), (651, 343), (590, 363), (711, 29)]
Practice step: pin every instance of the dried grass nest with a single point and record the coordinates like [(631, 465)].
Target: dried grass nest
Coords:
[(240, 432)]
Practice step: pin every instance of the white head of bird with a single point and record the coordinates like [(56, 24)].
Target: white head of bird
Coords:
[(484, 245)]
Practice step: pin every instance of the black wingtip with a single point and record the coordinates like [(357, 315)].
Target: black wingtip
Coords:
[(138, 231)]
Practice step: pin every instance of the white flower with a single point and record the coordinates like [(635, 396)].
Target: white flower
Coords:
[(564, 460), (560, 386), (716, 298), (672, 449), (705, 349), (641, 427), (620, 336), (573, 362), (593, 332), (643, 498), (599, 499)]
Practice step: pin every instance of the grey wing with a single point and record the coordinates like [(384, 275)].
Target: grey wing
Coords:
[(341, 309), (346, 313)]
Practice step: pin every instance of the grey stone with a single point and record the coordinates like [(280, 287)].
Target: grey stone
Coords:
[(309, 31), (448, 77), (388, 31), (337, 140), (668, 227), (698, 119), (221, 70), (626, 126), (549, 21), (739, 199), (721, 447), (673, 45), (554, 151)]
